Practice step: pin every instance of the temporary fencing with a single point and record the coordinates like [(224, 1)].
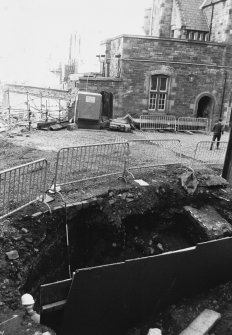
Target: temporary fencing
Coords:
[(150, 153), (152, 122), (204, 156), (86, 162), (192, 124), (22, 185), (159, 122)]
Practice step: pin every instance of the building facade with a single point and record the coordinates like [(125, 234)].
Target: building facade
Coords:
[(182, 66)]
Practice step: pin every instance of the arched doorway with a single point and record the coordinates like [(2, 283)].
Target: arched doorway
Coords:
[(205, 106)]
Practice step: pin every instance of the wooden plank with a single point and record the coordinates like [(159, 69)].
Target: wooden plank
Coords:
[(203, 323)]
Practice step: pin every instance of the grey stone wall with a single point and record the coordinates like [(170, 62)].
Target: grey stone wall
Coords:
[(143, 56), (177, 59), (161, 18), (220, 16)]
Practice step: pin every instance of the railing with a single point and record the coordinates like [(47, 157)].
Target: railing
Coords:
[(157, 122), (22, 186), (151, 153), (192, 124), (205, 156), (86, 162)]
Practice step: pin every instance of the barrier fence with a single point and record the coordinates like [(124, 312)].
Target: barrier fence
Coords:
[(204, 156), (158, 122), (22, 186), (192, 124), (148, 122), (25, 184), (151, 153), (86, 162)]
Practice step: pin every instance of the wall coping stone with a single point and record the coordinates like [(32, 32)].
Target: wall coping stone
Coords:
[(163, 39), (106, 79)]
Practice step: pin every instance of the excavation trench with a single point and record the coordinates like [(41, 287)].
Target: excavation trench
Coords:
[(139, 223)]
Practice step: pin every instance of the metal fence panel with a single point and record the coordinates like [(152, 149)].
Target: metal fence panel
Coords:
[(192, 124), (150, 153), (75, 164), (148, 122), (204, 156), (22, 185)]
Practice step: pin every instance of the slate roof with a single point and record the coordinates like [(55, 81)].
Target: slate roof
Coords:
[(191, 15)]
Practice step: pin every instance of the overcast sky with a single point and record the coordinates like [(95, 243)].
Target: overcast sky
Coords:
[(34, 34)]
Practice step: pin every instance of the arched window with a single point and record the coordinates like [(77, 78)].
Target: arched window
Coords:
[(158, 92)]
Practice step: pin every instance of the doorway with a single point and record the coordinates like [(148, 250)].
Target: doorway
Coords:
[(205, 107), (107, 105)]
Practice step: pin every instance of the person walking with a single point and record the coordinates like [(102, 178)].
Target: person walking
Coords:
[(217, 133)]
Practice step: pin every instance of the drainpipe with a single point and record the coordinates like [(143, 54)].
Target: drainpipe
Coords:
[(223, 94), (211, 21)]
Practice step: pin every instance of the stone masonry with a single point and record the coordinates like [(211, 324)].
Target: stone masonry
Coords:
[(131, 61)]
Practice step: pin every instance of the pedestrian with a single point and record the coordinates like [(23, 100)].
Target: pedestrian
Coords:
[(217, 133), (28, 303)]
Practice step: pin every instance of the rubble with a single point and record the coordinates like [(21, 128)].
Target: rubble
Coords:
[(120, 125), (13, 254), (189, 182), (208, 222)]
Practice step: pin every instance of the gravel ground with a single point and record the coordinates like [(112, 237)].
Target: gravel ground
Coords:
[(55, 140)]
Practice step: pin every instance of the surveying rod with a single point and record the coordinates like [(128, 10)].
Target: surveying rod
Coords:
[(227, 168)]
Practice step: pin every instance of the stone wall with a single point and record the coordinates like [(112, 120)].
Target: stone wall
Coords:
[(161, 18), (143, 57), (176, 21), (220, 16)]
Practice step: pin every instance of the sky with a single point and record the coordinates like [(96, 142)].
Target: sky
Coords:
[(34, 34)]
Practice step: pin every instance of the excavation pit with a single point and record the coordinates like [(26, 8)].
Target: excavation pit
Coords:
[(130, 247)]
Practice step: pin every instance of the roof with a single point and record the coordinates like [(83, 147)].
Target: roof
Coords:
[(191, 14)]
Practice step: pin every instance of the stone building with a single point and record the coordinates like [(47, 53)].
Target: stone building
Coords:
[(182, 66)]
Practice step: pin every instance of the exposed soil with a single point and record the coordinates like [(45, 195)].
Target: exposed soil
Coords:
[(119, 225)]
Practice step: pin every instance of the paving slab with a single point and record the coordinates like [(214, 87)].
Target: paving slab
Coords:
[(209, 222), (203, 323)]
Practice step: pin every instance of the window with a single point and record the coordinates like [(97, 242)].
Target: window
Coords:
[(196, 37), (190, 35), (207, 37), (158, 92)]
